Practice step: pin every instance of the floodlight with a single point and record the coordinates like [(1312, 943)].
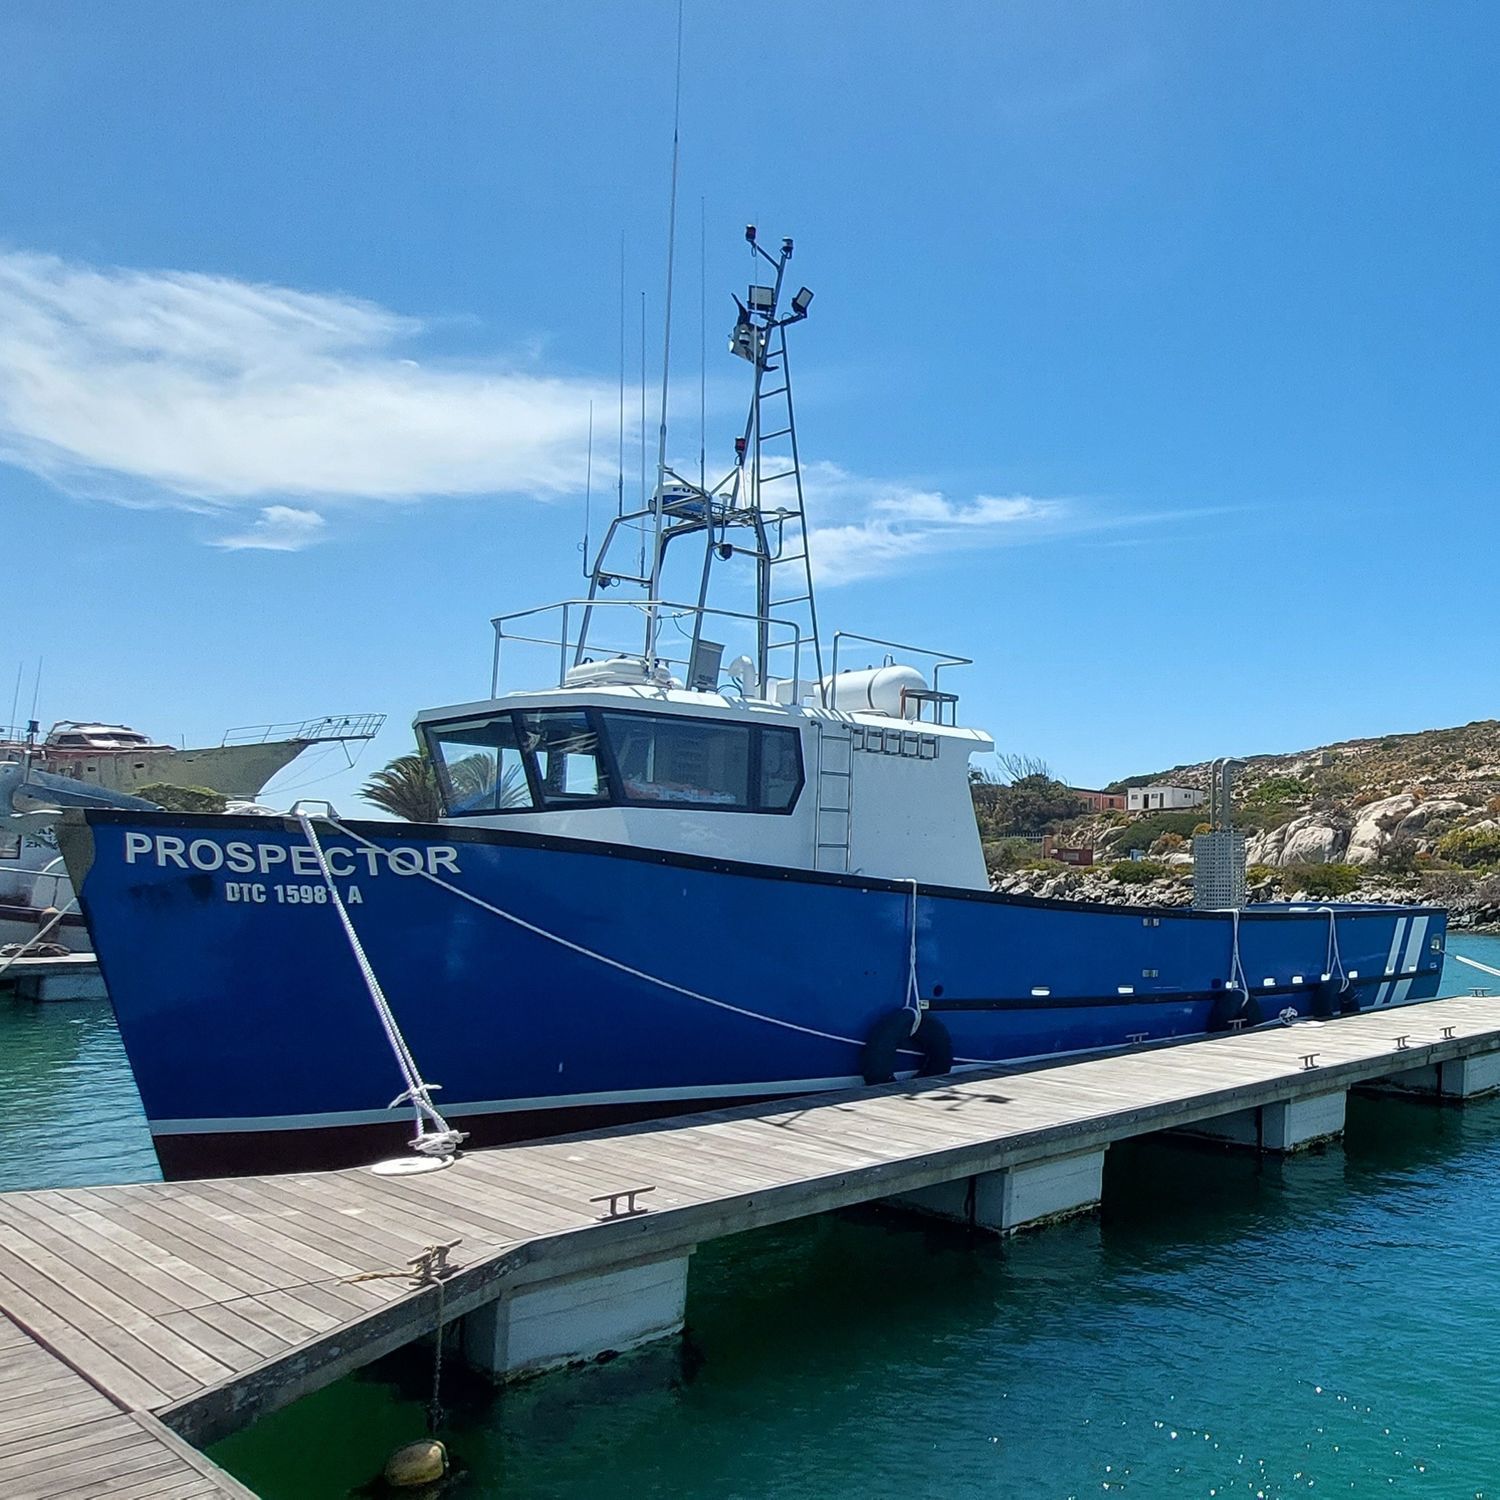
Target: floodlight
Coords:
[(762, 299), (801, 302)]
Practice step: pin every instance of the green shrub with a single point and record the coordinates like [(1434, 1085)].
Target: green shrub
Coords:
[(1010, 854), (1263, 875), (1141, 833), (1276, 789), (184, 799), (1470, 847), (1321, 880), (1137, 871), (1399, 857)]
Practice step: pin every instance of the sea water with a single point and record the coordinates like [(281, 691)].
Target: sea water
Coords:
[(1227, 1327)]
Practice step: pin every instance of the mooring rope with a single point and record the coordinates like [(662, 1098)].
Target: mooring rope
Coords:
[(913, 1001), (1334, 963), (1236, 968), (36, 937), (442, 1139), (605, 959)]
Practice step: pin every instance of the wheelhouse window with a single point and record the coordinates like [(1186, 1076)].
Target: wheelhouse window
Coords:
[(552, 759), (780, 769), (685, 762), (563, 750), (480, 766)]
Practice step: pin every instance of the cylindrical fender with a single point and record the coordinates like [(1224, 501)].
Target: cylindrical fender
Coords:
[(892, 1035)]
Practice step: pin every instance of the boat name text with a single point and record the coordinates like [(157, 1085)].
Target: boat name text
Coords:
[(166, 850)]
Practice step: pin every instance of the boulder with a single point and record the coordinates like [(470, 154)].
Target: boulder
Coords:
[(1312, 839), (1433, 815), (1374, 826)]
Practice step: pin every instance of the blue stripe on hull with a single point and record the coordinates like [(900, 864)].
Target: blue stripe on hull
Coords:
[(241, 1003)]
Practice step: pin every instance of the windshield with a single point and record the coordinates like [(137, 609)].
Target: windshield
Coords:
[(480, 766), (534, 760)]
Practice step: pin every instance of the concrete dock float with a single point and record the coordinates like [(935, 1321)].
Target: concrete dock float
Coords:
[(63, 976), (192, 1308)]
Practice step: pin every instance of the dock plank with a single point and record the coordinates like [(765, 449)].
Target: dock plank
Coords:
[(185, 1300)]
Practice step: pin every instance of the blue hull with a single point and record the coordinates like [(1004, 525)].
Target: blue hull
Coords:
[(678, 983)]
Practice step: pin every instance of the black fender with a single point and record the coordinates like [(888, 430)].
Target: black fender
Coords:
[(1325, 998), (1234, 1005), (892, 1035)]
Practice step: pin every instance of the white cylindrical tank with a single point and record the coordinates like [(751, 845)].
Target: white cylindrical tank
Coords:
[(875, 690)]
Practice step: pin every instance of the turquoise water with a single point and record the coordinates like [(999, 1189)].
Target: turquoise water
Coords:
[(1228, 1327)]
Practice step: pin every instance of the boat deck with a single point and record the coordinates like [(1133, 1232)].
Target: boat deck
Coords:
[(200, 1305)]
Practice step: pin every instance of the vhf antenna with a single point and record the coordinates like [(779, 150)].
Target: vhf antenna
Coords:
[(666, 361)]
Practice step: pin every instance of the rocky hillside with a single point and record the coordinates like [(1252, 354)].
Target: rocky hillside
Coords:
[(1400, 800)]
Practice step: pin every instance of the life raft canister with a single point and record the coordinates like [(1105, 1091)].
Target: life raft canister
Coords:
[(892, 1035)]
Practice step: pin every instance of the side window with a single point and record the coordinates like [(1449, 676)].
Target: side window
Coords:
[(479, 766), (682, 762), (780, 769), (567, 757)]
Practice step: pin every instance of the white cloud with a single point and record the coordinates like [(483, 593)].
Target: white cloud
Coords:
[(863, 528), (176, 388), (868, 528), (278, 528)]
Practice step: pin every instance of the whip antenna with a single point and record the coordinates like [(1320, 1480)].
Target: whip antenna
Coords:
[(666, 360)]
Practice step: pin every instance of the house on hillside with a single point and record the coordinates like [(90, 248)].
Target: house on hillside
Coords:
[(1162, 798), (1099, 801)]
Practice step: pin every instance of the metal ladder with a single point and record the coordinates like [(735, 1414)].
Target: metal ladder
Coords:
[(833, 814), (773, 429)]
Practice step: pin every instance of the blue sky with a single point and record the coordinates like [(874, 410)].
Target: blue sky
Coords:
[(1153, 362)]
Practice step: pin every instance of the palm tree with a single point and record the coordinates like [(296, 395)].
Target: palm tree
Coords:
[(407, 788)]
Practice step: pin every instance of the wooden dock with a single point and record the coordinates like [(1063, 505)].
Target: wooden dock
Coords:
[(192, 1308)]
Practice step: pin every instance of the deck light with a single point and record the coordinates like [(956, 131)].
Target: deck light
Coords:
[(1296, 979), (761, 299), (1270, 984), (801, 302), (1354, 973)]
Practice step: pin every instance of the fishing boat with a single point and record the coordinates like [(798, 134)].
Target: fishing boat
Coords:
[(712, 856)]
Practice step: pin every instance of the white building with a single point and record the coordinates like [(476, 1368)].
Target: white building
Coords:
[(1162, 798)]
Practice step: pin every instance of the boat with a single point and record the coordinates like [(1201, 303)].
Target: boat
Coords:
[(114, 761), (122, 759), (713, 856)]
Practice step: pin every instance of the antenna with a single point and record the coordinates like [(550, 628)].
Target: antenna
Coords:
[(666, 357), (15, 697), (641, 566), (588, 491), (702, 344), (620, 477), (36, 686)]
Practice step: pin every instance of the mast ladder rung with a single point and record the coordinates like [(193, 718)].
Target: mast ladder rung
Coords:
[(767, 395), (772, 478), (767, 437)]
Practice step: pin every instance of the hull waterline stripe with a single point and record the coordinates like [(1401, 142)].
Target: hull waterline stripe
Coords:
[(506, 1106)]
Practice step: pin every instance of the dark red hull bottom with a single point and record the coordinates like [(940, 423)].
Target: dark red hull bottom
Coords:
[(267, 1152)]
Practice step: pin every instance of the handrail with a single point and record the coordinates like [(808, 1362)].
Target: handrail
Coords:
[(664, 608), (326, 728), (945, 658)]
